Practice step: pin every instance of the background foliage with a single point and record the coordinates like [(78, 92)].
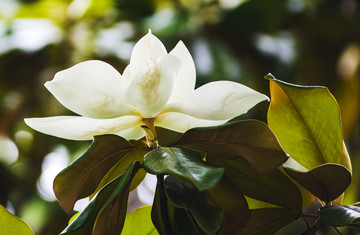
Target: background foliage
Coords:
[(299, 41)]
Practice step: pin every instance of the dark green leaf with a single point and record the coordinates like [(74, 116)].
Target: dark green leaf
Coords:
[(106, 212), (156, 216), (327, 182), (339, 216), (184, 163), (264, 221), (235, 222), (307, 122), (226, 196), (184, 223), (187, 196), (167, 137), (252, 140), (110, 219), (274, 187), (81, 178)]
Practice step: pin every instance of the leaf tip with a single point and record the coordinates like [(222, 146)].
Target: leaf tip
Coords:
[(269, 76)]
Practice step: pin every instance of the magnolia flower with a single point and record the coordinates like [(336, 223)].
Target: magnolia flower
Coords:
[(155, 85)]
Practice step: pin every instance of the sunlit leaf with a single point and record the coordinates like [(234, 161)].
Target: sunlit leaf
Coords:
[(73, 217), (139, 222), (251, 140), (120, 167), (327, 181), (306, 120), (274, 187), (339, 216), (44, 9), (187, 196), (184, 163), (10, 224), (261, 221), (256, 204), (105, 214), (81, 178), (97, 8)]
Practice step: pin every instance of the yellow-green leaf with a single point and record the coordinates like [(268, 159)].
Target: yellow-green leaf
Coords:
[(10, 224), (139, 222), (306, 120)]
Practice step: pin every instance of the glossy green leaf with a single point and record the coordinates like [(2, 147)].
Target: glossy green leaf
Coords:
[(327, 182), (139, 222), (120, 167), (184, 163), (10, 224), (106, 212), (339, 216), (274, 187), (187, 196), (264, 221), (82, 177), (251, 140), (306, 120)]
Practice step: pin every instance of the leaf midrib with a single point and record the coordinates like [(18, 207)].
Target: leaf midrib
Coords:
[(188, 173), (305, 124)]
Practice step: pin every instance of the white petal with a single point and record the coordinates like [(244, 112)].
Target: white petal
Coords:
[(148, 48), (220, 100), (134, 133), (150, 90), (185, 83), (92, 89), (180, 122), (127, 76), (81, 128)]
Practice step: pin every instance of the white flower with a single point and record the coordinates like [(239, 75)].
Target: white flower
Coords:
[(155, 84)]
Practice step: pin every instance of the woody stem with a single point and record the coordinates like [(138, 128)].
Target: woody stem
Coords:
[(152, 142)]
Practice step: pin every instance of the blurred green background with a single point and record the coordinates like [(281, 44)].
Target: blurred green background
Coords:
[(308, 42)]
